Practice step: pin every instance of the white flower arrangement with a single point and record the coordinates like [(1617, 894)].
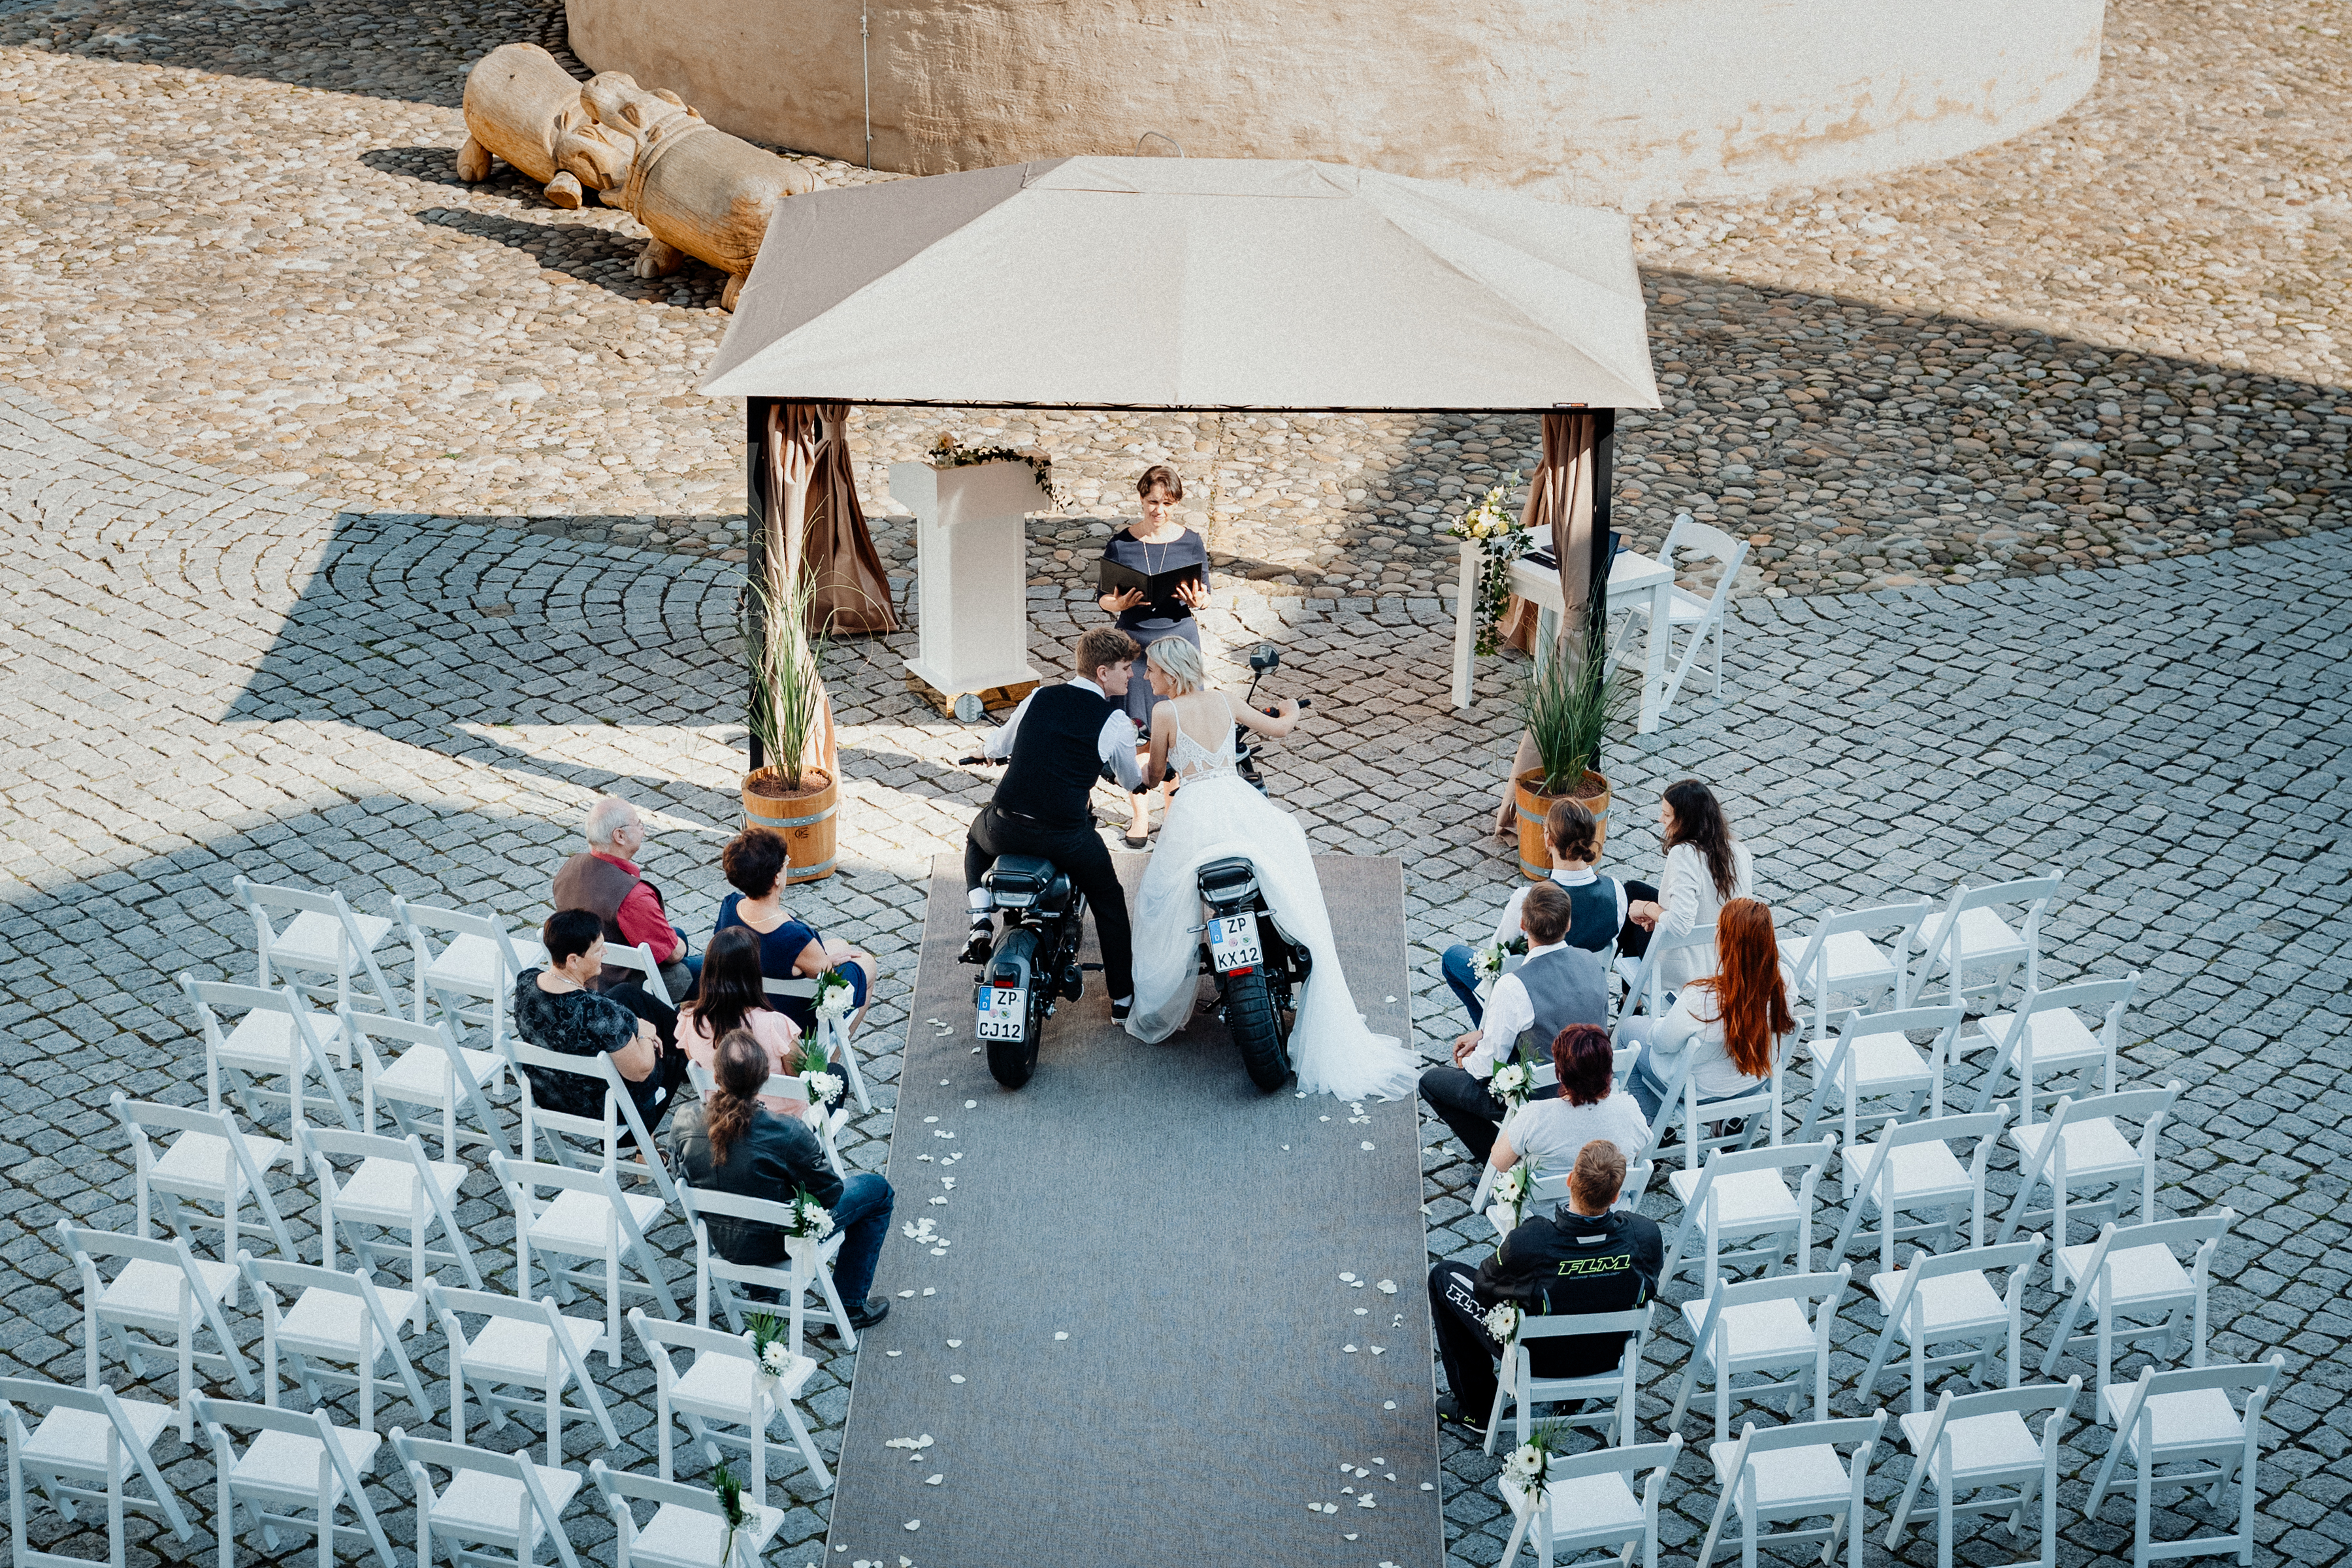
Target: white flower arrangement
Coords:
[(1490, 525), (771, 1350), (1503, 1323), (1530, 1464), (1511, 1191), (835, 996), (1510, 1083), (823, 1087), (809, 1218), (775, 1358)]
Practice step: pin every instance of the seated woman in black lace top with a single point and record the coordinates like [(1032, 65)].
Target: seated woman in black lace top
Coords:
[(554, 1010)]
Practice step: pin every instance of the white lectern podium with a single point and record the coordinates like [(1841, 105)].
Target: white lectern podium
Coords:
[(971, 580)]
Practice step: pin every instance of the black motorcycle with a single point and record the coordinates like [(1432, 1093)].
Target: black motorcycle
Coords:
[(1034, 962), (1259, 967)]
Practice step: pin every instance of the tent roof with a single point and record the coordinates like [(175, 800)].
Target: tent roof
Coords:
[(1190, 283)]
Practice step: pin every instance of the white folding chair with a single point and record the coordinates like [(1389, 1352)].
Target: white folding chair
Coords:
[(325, 937), (1949, 1299), (726, 1385), (2081, 1146), (1795, 1472), (523, 1345), (1589, 1505), (1760, 1326), (826, 1125), (212, 1161), (1742, 1194), (1970, 932), (1619, 1385), (83, 1451), (1757, 1111), (591, 1217), (336, 1320), (472, 977), (433, 1073), (500, 1501), (278, 1037), (392, 1188), (1911, 1167), (1871, 1057), (294, 1461), (1645, 979), (1840, 956), (2186, 1417), (832, 1034), (618, 1112), (2054, 1039), (639, 958), (162, 1289), (688, 1529), (1697, 617), (2131, 1274), (808, 1267), (1980, 1443)]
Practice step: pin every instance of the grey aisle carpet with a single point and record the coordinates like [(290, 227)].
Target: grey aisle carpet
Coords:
[(1154, 1322)]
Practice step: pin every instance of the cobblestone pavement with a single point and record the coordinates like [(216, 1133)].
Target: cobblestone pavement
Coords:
[(393, 707), (240, 239)]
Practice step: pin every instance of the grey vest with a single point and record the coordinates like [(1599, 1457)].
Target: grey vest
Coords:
[(1571, 986)]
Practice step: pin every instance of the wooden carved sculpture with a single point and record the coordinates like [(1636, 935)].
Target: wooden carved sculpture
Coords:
[(519, 105)]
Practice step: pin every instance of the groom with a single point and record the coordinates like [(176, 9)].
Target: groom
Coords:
[(1060, 739)]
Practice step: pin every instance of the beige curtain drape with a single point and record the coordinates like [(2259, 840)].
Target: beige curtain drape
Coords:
[(1559, 507), (818, 521)]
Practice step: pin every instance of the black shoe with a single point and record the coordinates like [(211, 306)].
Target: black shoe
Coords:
[(1120, 1010), (976, 951), (1449, 1413), (868, 1312)]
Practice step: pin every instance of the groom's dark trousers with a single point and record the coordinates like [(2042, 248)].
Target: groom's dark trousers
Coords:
[(1082, 855)]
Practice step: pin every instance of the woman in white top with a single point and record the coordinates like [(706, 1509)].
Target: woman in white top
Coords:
[(1705, 869), (1548, 1133), (1728, 1028)]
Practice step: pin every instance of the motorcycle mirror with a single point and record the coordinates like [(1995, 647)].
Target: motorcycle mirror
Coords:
[(1266, 657)]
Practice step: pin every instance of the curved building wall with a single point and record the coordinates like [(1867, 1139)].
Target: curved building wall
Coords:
[(1615, 102)]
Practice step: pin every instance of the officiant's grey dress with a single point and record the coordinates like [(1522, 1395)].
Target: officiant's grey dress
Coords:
[(1171, 617)]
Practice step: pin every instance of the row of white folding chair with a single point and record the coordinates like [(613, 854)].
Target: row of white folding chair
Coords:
[(1845, 953), (725, 1386)]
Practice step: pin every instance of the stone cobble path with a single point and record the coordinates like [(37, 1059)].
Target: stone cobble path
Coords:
[(203, 675)]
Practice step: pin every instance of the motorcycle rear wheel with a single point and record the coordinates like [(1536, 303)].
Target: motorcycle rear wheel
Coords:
[(1254, 1016)]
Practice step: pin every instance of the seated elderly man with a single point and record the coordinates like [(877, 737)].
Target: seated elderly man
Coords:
[(604, 881)]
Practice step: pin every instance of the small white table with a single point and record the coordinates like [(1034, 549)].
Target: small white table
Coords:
[(1629, 575)]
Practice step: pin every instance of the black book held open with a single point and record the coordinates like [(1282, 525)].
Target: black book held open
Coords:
[(1159, 587)]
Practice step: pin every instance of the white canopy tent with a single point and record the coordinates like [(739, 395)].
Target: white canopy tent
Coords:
[(1189, 284)]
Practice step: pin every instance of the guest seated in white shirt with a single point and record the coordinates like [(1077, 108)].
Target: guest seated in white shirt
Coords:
[(1597, 905), (1729, 1027), (1547, 1134), (1706, 869), (1557, 986)]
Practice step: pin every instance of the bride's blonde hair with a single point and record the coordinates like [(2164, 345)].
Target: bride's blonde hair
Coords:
[(1181, 662)]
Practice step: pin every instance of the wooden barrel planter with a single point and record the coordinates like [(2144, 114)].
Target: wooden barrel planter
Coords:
[(804, 816), (1535, 856)]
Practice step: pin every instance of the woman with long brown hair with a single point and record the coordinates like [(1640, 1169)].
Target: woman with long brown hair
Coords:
[(1706, 869), (731, 994), (1729, 1026), (733, 1144)]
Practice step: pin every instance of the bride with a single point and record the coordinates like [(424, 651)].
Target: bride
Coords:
[(1216, 813)]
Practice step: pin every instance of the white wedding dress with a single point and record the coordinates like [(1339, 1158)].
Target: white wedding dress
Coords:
[(1215, 813)]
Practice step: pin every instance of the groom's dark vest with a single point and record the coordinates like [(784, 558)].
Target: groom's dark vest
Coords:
[(1054, 763)]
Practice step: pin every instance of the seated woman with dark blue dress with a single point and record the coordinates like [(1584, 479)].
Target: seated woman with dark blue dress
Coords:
[(790, 948)]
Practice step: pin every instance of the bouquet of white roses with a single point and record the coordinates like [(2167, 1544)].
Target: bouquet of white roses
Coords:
[(1486, 963), (1497, 532), (835, 996), (822, 1087)]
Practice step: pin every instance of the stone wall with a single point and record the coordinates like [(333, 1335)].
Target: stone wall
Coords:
[(1629, 103)]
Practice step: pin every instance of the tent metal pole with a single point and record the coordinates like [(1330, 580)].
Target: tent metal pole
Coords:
[(755, 547), (1596, 597)]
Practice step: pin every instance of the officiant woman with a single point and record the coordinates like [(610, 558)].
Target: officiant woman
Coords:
[(1160, 542)]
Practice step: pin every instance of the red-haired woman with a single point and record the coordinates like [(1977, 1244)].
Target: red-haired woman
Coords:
[(1729, 1026), (1548, 1134)]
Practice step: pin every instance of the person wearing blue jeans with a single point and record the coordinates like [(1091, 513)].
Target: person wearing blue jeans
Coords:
[(737, 1145)]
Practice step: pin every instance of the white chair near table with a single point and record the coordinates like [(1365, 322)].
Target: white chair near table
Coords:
[(393, 1187), (1760, 1326), (161, 1289), (2132, 1274), (1589, 1504), (292, 1461), (1946, 1298), (1697, 617), (1792, 1473), (2188, 1417), (83, 1450), (687, 1530), (336, 1320), (1618, 1386), (1981, 1444), (499, 1500), (1971, 933), (211, 1160), (325, 936), (522, 1344), (725, 1386)]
